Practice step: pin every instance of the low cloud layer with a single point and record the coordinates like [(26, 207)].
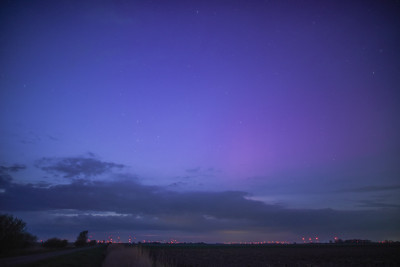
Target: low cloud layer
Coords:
[(373, 188), (125, 204)]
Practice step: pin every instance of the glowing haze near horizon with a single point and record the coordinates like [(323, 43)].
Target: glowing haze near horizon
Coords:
[(211, 121)]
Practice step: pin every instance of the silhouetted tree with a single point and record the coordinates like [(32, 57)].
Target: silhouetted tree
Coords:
[(81, 240), (55, 243), (13, 233)]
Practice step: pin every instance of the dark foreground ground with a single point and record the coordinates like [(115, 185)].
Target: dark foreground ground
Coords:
[(87, 256), (158, 255), (289, 255)]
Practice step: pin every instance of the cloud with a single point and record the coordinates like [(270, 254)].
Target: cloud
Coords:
[(52, 138), (76, 167), (30, 138), (5, 177), (199, 171), (377, 204), (177, 184), (194, 170), (82, 203), (13, 168), (373, 188)]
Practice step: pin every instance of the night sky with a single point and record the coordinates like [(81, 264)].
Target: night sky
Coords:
[(214, 121)]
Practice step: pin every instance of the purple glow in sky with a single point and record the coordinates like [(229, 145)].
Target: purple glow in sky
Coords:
[(203, 121)]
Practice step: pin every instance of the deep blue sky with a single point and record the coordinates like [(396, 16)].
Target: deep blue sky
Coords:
[(201, 121)]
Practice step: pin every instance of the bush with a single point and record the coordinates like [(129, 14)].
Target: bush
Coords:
[(81, 240), (55, 243), (13, 234), (92, 243)]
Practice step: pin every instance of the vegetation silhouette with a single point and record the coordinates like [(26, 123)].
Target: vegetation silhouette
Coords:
[(13, 234), (82, 238), (55, 243)]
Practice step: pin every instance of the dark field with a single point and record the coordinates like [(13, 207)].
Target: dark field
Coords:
[(92, 257), (289, 255)]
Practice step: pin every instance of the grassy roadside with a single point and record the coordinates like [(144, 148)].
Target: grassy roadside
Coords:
[(30, 251), (90, 258)]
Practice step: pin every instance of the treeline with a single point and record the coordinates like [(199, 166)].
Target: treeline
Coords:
[(13, 235)]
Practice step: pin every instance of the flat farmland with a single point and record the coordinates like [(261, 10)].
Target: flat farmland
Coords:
[(289, 255)]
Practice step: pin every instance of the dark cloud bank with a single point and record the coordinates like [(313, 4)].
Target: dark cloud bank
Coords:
[(13, 168), (76, 166), (124, 204)]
